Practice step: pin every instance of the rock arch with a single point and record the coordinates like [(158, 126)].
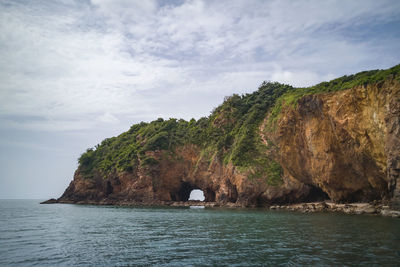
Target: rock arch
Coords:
[(185, 188)]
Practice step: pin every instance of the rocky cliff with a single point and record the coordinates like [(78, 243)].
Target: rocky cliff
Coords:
[(338, 140), (345, 143)]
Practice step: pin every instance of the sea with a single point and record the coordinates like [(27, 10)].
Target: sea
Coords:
[(88, 235)]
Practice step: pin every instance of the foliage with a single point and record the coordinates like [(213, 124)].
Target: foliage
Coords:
[(230, 133), (345, 82)]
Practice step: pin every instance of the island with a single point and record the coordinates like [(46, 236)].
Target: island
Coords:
[(332, 146)]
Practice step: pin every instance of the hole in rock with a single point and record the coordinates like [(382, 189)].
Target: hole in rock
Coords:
[(109, 188), (189, 191), (316, 194), (197, 194), (184, 192), (210, 195)]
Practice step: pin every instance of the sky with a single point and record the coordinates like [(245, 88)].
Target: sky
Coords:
[(73, 73)]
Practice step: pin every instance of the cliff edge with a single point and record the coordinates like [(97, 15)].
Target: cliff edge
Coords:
[(336, 141)]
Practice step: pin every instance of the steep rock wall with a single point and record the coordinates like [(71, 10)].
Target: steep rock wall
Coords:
[(173, 179), (343, 146), (346, 143)]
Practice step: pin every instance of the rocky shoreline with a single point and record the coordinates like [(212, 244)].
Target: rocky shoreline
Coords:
[(379, 209), (348, 208)]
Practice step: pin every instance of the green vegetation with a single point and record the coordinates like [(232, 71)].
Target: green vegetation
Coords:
[(229, 134), (342, 83)]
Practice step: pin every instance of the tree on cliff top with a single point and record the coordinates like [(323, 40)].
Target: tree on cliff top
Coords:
[(230, 132)]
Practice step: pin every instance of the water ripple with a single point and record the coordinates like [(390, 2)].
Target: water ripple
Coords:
[(69, 235)]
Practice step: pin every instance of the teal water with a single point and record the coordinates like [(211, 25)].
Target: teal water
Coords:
[(70, 235)]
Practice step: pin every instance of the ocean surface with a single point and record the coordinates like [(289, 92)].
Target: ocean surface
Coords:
[(85, 235)]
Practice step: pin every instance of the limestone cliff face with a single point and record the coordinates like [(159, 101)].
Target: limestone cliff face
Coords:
[(346, 143), (174, 178), (344, 146)]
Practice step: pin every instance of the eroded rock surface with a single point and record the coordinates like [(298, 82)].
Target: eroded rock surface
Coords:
[(172, 180), (346, 143), (342, 146)]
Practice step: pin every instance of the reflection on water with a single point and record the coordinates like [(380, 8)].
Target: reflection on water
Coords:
[(33, 234)]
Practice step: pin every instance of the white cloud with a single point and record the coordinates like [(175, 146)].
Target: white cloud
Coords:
[(108, 118), (301, 78), (77, 65)]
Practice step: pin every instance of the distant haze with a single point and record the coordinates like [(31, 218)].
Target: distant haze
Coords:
[(76, 72)]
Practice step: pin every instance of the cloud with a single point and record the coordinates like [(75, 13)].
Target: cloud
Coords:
[(108, 118), (78, 65)]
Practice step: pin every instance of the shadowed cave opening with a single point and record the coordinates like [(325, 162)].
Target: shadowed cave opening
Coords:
[(109, 188), (316, 194)]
